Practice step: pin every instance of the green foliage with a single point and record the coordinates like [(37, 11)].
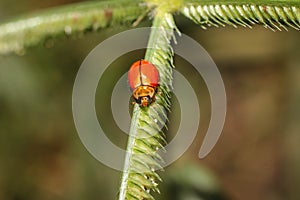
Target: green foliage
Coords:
[(19, 34), (275, 17)]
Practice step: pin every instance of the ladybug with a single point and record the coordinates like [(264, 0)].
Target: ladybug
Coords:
[(143, 78)]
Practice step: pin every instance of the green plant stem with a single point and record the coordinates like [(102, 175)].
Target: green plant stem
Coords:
[(241, 2), (145, 136), (130, 144), (27, 31), (71, 20), (272, 14)]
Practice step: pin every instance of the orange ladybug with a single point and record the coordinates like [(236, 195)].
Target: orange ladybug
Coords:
[(143, 78)]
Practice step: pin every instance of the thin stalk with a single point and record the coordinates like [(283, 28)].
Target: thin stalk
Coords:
[(237, 2), (272, 14), (26, 31), (130, 144)]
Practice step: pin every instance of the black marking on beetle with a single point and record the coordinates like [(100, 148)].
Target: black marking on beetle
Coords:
[(140, 71)]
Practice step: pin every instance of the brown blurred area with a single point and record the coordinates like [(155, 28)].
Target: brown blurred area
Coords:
[(257, 156)]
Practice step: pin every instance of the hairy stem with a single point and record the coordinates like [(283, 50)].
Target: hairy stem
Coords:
[(70, 20), (145, 136), (237, 2), (272, 14)]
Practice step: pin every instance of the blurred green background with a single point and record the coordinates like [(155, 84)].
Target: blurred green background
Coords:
[(257, 156)]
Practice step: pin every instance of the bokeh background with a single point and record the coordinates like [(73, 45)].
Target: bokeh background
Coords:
[(257, 156)]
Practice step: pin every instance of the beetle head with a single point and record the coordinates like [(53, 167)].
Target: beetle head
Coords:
[(145, 101)]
